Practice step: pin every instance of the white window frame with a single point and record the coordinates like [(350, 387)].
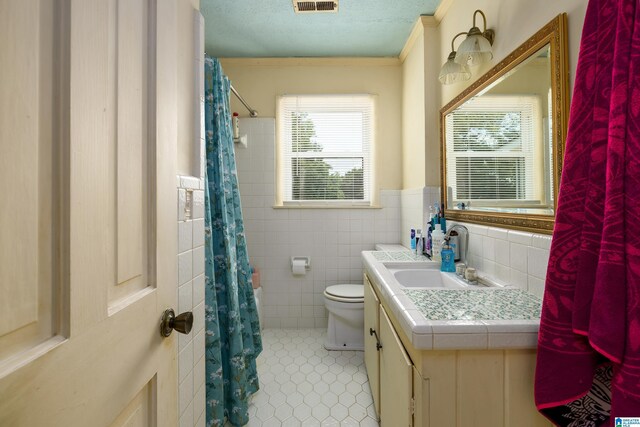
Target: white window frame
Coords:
[(285, 154)]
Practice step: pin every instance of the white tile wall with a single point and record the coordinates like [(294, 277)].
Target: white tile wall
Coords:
[(414, 205), (191, 376), (515, 257), (412, 213), (333, 238)]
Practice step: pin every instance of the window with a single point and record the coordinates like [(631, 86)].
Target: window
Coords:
[(497, 153), (325, 149)]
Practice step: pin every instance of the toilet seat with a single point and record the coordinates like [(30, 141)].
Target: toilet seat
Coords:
[(345, 293)]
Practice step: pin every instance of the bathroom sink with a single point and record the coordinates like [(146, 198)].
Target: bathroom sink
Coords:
[(425, 279), (425, 276)]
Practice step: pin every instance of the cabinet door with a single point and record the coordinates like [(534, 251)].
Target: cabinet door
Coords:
[(371, 354), (421, 400), (396, 382)]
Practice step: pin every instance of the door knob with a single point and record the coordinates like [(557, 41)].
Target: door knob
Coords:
[(181, 323)]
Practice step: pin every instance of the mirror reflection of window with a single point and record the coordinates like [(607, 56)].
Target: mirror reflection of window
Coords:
[(503, 137), (497, 156)]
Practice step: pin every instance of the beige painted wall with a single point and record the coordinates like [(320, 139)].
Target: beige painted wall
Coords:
[(413, 115), (260, 81), (187, 107), (533, 78), (432, 95), (514, 21), (420, 105)]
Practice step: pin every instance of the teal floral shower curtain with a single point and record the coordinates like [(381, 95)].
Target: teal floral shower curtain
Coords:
[(232, 328)]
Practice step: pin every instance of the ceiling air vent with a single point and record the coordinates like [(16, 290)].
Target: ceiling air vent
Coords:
[(315, 6)]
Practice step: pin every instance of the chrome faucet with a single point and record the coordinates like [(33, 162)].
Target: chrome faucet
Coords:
[(466, 240)]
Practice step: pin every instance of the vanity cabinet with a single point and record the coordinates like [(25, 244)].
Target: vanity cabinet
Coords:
[(396, 378), (389, 367), (435, 388), (371, 329)]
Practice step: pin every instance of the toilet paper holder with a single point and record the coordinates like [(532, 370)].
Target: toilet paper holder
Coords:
[(306, 259)]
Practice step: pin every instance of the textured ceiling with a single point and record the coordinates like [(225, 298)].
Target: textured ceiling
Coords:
[(270, 28)]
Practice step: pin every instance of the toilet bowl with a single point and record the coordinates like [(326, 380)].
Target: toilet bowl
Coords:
[(345, 329)]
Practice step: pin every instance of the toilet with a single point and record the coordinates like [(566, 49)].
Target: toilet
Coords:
[(345, 330)]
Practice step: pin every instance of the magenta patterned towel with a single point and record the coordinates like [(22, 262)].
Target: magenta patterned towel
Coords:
[(588, 367)]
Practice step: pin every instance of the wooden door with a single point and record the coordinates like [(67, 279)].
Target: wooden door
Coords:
[(371, 355), (88, 214), (396, 383)]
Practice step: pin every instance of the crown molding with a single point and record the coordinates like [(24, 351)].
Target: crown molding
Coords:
[(422, 22), (442, 10), (312, 61)]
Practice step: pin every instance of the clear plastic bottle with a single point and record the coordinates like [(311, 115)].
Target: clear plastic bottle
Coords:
[(437, 238)]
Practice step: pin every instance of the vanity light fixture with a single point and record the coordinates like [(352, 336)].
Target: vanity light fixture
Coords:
[(476, 48), (451, 71)]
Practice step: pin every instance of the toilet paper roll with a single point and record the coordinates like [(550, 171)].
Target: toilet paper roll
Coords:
[(298, 266)]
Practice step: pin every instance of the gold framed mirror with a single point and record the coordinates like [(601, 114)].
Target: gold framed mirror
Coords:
[(502, 139)]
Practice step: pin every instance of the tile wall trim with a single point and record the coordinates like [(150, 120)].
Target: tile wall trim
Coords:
[(190, 259)]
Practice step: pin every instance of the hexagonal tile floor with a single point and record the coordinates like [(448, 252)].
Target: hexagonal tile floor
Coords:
[(302, 384)]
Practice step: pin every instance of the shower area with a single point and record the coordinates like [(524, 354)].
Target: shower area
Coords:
[(234, 368)]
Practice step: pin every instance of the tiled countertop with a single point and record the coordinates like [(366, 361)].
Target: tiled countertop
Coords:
[(489, 304), (502, 317)]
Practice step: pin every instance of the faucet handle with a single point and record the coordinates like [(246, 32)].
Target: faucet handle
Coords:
[(470, 274)]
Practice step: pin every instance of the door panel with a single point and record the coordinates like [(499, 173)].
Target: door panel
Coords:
[(396, 383), (129, 62), (140, 411), (28, 233), (371, 355), (131, 81), (99, 193)]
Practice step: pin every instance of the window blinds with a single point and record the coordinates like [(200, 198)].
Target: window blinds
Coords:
[(325, 143), (496, 154)]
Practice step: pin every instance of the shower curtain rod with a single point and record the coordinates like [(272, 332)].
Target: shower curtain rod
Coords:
[(252, 112)]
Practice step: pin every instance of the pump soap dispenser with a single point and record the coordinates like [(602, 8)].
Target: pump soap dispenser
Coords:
[(448, 262)]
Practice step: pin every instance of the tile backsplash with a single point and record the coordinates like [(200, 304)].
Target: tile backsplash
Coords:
[(191, 362), (516, 257), (414, 205), (332, 238)]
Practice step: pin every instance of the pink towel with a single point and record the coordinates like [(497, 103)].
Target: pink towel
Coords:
[(588, 368)]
